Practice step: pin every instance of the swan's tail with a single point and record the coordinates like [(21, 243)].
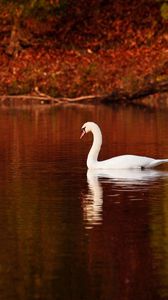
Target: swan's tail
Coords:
[(157, 162)]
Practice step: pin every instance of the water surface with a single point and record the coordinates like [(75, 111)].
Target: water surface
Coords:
[(71, 234)]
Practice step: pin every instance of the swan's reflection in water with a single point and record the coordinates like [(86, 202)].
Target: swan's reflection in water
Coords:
[(120, 180), (93, 201)]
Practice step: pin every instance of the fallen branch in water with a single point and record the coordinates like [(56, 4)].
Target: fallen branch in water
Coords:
[(146, 89), (23, 98), (46, 99), (116, 96)]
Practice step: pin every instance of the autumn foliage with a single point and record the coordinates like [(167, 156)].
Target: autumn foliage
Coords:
[(79, 48)]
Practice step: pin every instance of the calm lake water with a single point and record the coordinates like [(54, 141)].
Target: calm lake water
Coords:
[(69, 234)]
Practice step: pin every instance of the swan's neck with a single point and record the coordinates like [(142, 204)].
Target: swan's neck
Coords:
[(95, 149)]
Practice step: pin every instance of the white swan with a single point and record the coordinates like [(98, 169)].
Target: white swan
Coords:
[(118, 162)]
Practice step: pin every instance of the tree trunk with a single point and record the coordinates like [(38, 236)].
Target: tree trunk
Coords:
[(14, 44)]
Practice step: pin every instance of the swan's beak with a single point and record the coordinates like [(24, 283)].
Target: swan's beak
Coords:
[(83, 133)]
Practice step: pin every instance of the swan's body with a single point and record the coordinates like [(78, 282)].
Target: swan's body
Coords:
[(118, 162)]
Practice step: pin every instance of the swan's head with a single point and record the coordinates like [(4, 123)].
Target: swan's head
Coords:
[(87, 127)]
